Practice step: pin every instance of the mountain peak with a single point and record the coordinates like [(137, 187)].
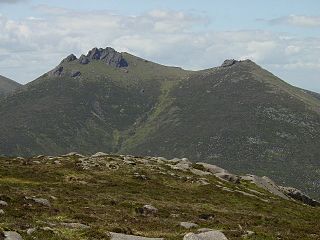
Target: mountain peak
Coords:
[(229, 62), (108, 55)]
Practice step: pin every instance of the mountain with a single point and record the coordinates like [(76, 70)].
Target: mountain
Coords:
[(127, 198), (238, 116), (7, 86)]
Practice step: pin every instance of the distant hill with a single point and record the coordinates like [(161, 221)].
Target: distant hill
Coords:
[(7, 85), (238, 115)]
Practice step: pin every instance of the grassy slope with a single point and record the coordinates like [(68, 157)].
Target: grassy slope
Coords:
[(242, 118), (107, 201), (84, 114), (7, 85)]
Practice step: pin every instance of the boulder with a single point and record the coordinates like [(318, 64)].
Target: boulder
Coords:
[(75, 225), (188, 225), (220, 172), (41, 201), (57, 72), (83, 60), (75, 74), (2, 212), (300, 196), (120, 236), (99, 154), (148, 210), (10, 235), (3, 203), (210, 235), (70, 58), (228, 63)]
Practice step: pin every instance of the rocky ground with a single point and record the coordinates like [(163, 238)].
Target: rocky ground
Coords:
[(135, 198)]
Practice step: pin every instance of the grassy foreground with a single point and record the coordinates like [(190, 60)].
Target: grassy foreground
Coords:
[(105, 194)]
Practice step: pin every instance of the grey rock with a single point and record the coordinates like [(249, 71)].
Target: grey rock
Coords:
[(10, 235), (210, 235), (99, 154), (228, 63), (3, 203), (2, 212), (109, 56), (267, 184), (148, 210), (30, 231), (73, 154), (41, 201), (188, 225), (75, 225), (300, 196), (83, 60), (57, 72), (120, 236), (70, 58), (220, 172), (75, 74)]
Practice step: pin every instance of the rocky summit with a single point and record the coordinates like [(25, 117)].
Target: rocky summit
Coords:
[(124, 197), (238, 116)]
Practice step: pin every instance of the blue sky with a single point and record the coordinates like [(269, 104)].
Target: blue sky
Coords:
[(282, 36)]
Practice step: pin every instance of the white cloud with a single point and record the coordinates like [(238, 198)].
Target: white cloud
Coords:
[(297, 20), (32, 46)]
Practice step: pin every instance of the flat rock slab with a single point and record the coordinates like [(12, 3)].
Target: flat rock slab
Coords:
[(188, 225), (120, 236), (12, 236), (211, 235)]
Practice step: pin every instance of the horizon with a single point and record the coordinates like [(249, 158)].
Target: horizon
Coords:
[(37, 35)]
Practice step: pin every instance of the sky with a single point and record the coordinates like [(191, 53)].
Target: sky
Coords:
[(283, 36)]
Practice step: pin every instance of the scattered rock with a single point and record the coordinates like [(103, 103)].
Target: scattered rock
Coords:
[(9, 235), (188, 225), (30, 231), (148, 210), (210, 235), (248, 234), (120, 236), (75, 74), (206, 216), (3, 203)]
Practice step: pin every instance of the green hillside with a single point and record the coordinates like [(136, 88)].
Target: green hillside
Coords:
[(238, 116), (7, 86)]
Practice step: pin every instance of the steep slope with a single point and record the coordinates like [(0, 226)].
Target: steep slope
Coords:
[(86, 197), (84, 104), (7, 86), (238, 116)]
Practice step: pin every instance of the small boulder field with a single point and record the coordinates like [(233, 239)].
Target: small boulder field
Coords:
[(123, 197)]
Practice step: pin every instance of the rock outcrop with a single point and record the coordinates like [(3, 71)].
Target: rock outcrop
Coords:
[(108, 55), (210, 235), (228, 63)]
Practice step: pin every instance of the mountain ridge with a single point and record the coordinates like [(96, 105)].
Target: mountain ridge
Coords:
[(238, 116), (7, 86)]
